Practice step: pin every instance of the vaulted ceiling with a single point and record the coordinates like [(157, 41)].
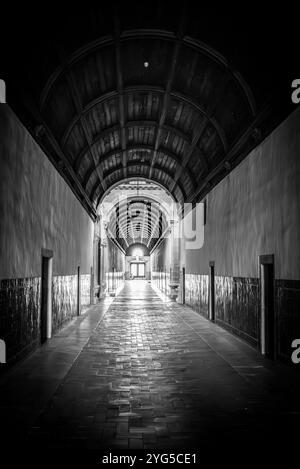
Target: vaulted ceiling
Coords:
[(130, 95), (137, 212), (137, 220)]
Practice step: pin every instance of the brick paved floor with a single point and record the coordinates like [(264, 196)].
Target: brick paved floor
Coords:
[(155, 374)]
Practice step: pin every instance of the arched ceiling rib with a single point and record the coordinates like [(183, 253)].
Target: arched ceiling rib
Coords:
[(102, 116), (118, 177), (137, 221)]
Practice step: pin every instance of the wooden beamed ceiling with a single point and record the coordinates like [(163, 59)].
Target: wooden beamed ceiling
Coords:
[(152, 103)]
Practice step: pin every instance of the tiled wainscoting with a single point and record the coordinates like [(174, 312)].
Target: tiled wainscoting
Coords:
[(196, 292), (236, 303), (114, 280), (288, 315), (161, 280), (20, 304), (237, 307), (19, 315), (85, 287), (64, 300)]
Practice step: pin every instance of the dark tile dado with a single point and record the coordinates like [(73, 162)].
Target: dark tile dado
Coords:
[(20, 304), (237, 306), (162, 280), (64, 299), (236, 303), (19, 314), (85, 287), (196, 292), (287, 300), (238, 309)]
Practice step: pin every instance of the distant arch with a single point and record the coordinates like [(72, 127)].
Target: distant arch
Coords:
[(130, 250)]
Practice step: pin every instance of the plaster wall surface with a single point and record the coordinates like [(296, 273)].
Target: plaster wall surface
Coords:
[(255, 210), (161, 256), (37, 209), (115, 258)]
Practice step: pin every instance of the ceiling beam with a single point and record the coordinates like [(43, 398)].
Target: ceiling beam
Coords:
[(120, 226), (120, 92), (166, 98), (106, 41), (148, 212), (130, 223), (155, 225), (198, 134), (143, 223), (105, 97), (188, 155), (133, 163), (124, 223), (149, 148), (133, 176), (111, 171), (150, 89), (105, 133), (75, 94), (122, 219)]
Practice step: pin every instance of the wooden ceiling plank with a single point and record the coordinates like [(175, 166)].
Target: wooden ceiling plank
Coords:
[(218, 94), (121, 228), (188, 154), (166, 99), (155, 227), (192, 71), (149, 105), (144, 218), (198, 46), (171, 155), (73, 88), (120, 92), (130, 124), (177, 95)]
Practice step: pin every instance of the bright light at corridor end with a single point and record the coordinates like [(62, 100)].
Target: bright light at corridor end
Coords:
[(137, 252)]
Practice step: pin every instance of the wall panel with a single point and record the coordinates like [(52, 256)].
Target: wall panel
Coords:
[(38, 211)]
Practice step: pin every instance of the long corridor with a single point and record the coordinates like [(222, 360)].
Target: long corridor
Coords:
[(149, 233), (155, 374)]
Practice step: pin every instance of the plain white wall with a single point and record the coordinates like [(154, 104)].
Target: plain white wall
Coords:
[(255, 210), (37, 209)]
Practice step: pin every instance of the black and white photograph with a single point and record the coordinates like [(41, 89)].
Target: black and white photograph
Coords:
[(149, 234)]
